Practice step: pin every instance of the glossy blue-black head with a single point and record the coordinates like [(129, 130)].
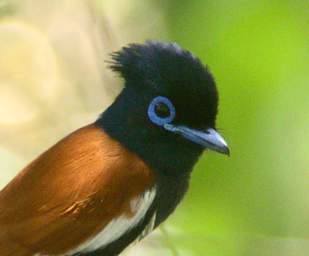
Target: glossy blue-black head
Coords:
[(164, 69), (169, 102)]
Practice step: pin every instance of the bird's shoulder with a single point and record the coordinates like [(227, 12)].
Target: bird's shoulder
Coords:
[(84, 182)]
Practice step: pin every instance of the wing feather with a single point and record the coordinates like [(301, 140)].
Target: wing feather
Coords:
[(70, 193)]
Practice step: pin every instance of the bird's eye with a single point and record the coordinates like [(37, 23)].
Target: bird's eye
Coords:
[(161, 111)]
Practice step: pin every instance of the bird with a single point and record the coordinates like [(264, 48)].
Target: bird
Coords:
[(110, 183)]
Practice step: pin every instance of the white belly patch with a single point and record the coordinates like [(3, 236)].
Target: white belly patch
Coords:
[(117, 227)]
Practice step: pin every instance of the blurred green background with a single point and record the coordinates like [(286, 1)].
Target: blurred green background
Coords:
[(53, 79)]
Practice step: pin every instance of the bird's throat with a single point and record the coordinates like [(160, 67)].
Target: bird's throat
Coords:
[(161, 151)]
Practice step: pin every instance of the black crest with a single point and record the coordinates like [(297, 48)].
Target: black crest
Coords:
[(157, 68), (155, 60)]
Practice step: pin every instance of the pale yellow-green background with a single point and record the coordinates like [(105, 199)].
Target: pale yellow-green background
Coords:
[(53, 79)]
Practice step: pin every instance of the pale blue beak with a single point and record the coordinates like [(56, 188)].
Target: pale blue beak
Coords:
[(209, 139)]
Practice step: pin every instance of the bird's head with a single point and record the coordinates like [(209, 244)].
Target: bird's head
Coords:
[(168, 105)]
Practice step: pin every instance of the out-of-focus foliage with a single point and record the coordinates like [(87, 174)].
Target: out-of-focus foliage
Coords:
[(53, 79)]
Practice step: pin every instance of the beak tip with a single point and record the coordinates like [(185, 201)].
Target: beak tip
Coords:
[(226, 151), (223, 149)]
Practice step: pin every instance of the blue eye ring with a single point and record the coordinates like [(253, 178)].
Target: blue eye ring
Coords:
[(161, 121)]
